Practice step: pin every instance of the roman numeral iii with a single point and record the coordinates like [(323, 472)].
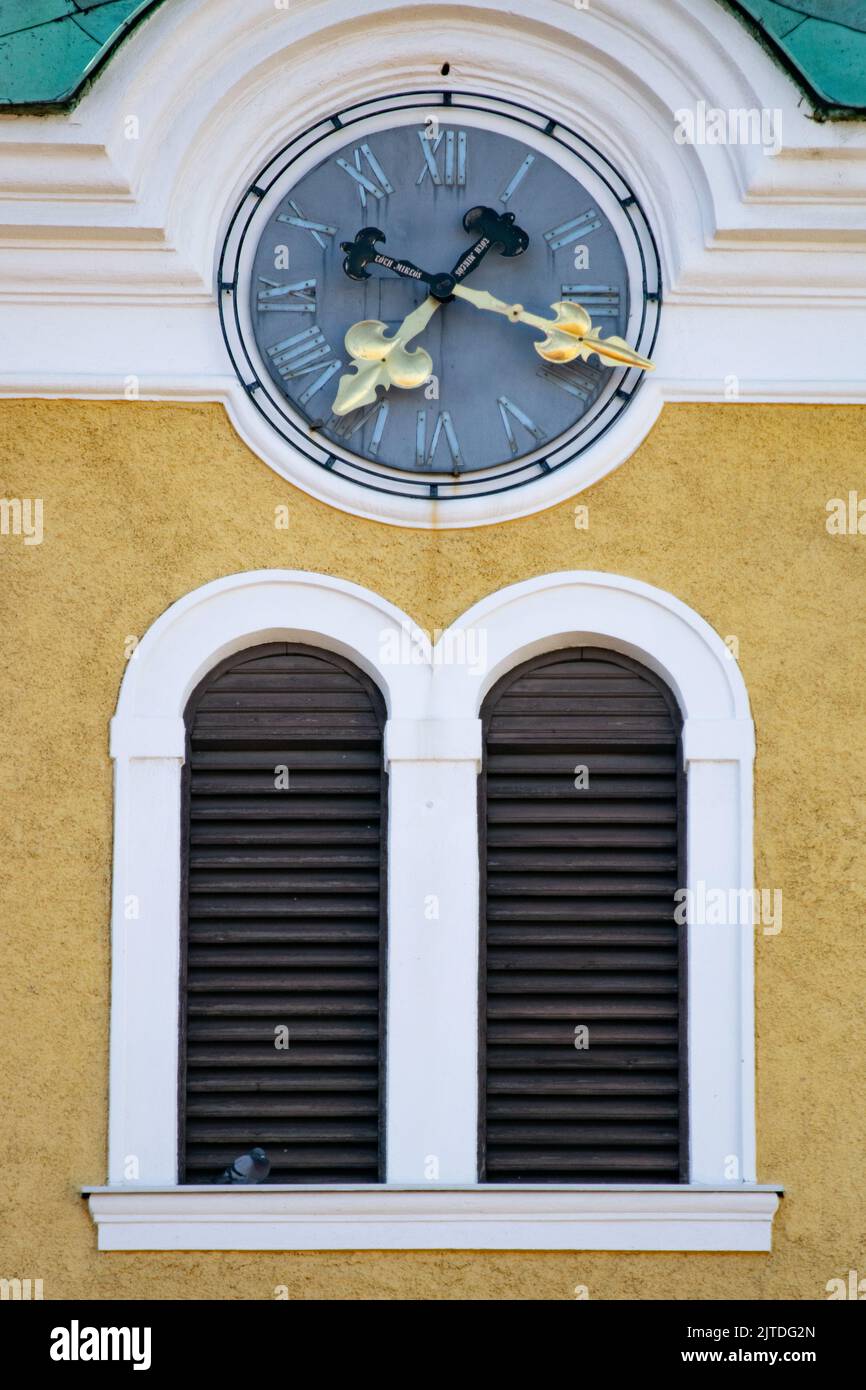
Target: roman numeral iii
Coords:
[(600, 301)]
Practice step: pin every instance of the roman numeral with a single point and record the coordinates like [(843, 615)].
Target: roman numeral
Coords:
[(424, 458), (305, 354), (317, 230), (345, 426), (578, 227), (577, 378), (453, 171), (365, 184), (299, 298), (600, 301), (508, 410), (512, 187)]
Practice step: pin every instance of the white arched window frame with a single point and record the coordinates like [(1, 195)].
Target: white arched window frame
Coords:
[(431, 1198)]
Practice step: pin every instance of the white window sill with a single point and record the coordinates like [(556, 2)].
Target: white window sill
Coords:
[(495, 1217)]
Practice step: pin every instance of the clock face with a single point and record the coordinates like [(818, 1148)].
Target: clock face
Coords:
[(489, 409)]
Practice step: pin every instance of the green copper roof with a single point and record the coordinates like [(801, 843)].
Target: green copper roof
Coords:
[(50, 49), (822, 42)]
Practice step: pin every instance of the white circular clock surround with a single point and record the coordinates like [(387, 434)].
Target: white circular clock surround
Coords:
[(525, 431)]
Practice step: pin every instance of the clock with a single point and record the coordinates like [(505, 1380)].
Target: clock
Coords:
[(440, 296)]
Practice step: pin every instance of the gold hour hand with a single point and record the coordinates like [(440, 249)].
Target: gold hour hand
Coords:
[(569, 335), (382, 361)]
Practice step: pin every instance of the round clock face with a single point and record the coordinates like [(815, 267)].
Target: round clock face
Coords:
[(364, 221)]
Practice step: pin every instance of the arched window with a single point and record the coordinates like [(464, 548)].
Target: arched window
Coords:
[(285, 741), (282, 954), (583, 1052)]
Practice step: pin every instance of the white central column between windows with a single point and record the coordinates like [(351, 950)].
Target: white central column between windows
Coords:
[(433, 903)]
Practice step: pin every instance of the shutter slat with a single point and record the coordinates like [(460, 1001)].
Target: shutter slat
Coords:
[(207, 881), (298, 930), (581, 934), (277, 833), (270, 957), (573, 1108), (582, 1062), (285, 905), (558, 836), (288, 860), (284, 902), (284, 806), (303, 783), (578, 1162), (538, 1083), (305, 1081), (269, 1106), (601, 788), (261, 701), (609, 811), (610, 1007)]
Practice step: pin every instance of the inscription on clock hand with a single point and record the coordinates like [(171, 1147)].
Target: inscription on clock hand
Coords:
[(494, 231)]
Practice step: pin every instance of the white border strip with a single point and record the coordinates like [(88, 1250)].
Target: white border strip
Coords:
[(455, 1218)]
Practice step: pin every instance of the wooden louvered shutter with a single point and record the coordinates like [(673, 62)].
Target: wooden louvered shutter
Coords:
[(284, 894), (578, 925)]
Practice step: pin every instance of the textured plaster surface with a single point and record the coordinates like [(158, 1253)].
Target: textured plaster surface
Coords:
[(723, 506)]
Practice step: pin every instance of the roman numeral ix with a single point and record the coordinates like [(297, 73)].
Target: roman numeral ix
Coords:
[(299, 298)]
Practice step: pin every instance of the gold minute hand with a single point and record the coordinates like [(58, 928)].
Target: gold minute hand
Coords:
[(382, 361), (569, 335)]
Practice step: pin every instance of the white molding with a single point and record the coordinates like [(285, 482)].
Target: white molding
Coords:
[(433, 741), (433, 746), (718, 740), (148, 737), (208, 84), (435, 1218), (784, 391), (105, 240)]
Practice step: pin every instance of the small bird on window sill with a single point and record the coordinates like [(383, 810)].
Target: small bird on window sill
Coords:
[(250, 1168)]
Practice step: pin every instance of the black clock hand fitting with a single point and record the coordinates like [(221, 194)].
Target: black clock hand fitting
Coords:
[(494, 231)]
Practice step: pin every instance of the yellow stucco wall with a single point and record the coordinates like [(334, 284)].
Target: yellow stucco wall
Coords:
[(723, 506)]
